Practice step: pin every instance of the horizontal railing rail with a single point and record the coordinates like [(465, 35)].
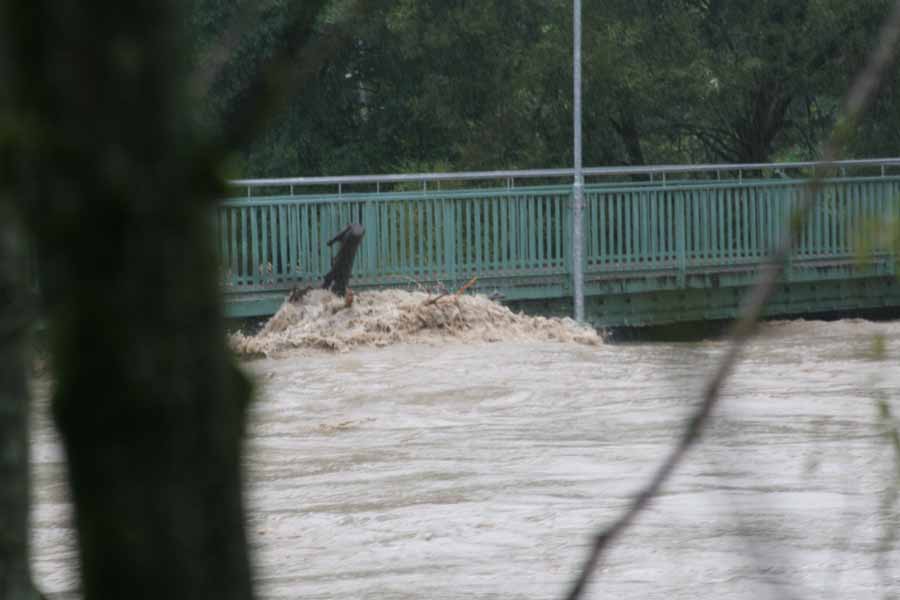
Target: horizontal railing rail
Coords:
[(510, 177)]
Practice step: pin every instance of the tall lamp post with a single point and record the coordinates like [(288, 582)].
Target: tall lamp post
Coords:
[(578, 184)]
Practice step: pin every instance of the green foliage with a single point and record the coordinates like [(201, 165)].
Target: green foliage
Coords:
[(484, 85)]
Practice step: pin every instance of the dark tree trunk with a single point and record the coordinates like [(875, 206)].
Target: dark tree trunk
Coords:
[(338, 277), (15, 578), (758, 130), (628, 131), (118, 189)]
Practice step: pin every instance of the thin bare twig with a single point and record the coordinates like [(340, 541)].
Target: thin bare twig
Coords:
[(859, 97), (455, 294)]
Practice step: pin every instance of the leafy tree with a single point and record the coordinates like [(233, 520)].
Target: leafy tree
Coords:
[(429, 84)]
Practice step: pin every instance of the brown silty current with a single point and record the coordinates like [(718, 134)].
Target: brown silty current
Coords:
[(474, 460)]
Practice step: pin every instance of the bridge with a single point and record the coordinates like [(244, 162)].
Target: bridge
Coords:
[(661, 244)]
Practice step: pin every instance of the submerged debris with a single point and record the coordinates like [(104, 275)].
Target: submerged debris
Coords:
[(321, 320)]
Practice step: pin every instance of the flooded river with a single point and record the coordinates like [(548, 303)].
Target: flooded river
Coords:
[(463, 469)]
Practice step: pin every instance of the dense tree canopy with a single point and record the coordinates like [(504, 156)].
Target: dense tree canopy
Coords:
[(415, 85)]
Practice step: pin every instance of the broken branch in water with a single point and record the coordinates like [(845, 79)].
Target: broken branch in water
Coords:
[(456, 294), (338, 277), (461, 290)]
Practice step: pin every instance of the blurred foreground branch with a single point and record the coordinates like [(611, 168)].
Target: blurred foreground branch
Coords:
[(858, 99)]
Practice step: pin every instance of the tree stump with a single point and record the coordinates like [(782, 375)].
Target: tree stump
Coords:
[(341, 268)]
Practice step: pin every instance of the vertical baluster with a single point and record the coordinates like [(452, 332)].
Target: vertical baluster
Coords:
[(819, 210), (680, 237), (661, 221), (641, 198), (722, 208), (233, 243), (735, 206), (459, 213), (830, 211), (707, 224), (673, 225), (745, 223), (302, 258), (403, 235), (283, 266), (254, 246), (418, 248), (479, 236), (810, 229), (598, 226), (245, 245), (849, 208), (539, 231), (557, 207), (620, 228), (754, 223), (448, 231), (548, 232), (440, 237), (266, 233), (714, 242), (772, 218), (495, 228), (295, 238), (504, 232), (692, 198), (427, 258), (853, 200), (529, 228), (653, 226), (521, 232), (389, 222), (469, 243), (633, 205)]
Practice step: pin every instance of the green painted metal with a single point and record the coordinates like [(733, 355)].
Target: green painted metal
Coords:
[(640, 238)]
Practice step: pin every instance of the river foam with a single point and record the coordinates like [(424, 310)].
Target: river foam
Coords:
[(320, 320)]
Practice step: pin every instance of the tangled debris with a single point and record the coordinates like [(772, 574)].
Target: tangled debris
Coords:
[(318, 319)]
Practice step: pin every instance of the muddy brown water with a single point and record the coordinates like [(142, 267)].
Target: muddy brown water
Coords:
[(464, 469)]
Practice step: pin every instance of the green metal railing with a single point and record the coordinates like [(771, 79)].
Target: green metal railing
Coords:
[(516, 236), (729, 224), (425, 237)]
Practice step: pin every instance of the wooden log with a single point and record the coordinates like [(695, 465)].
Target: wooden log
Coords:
[(341, 268)]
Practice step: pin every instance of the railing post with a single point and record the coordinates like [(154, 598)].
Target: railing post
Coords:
[(787, 224), (448, 232), (370, 222), (680, 241)]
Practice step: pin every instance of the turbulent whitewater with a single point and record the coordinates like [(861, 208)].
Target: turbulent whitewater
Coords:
[(320, 320)]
